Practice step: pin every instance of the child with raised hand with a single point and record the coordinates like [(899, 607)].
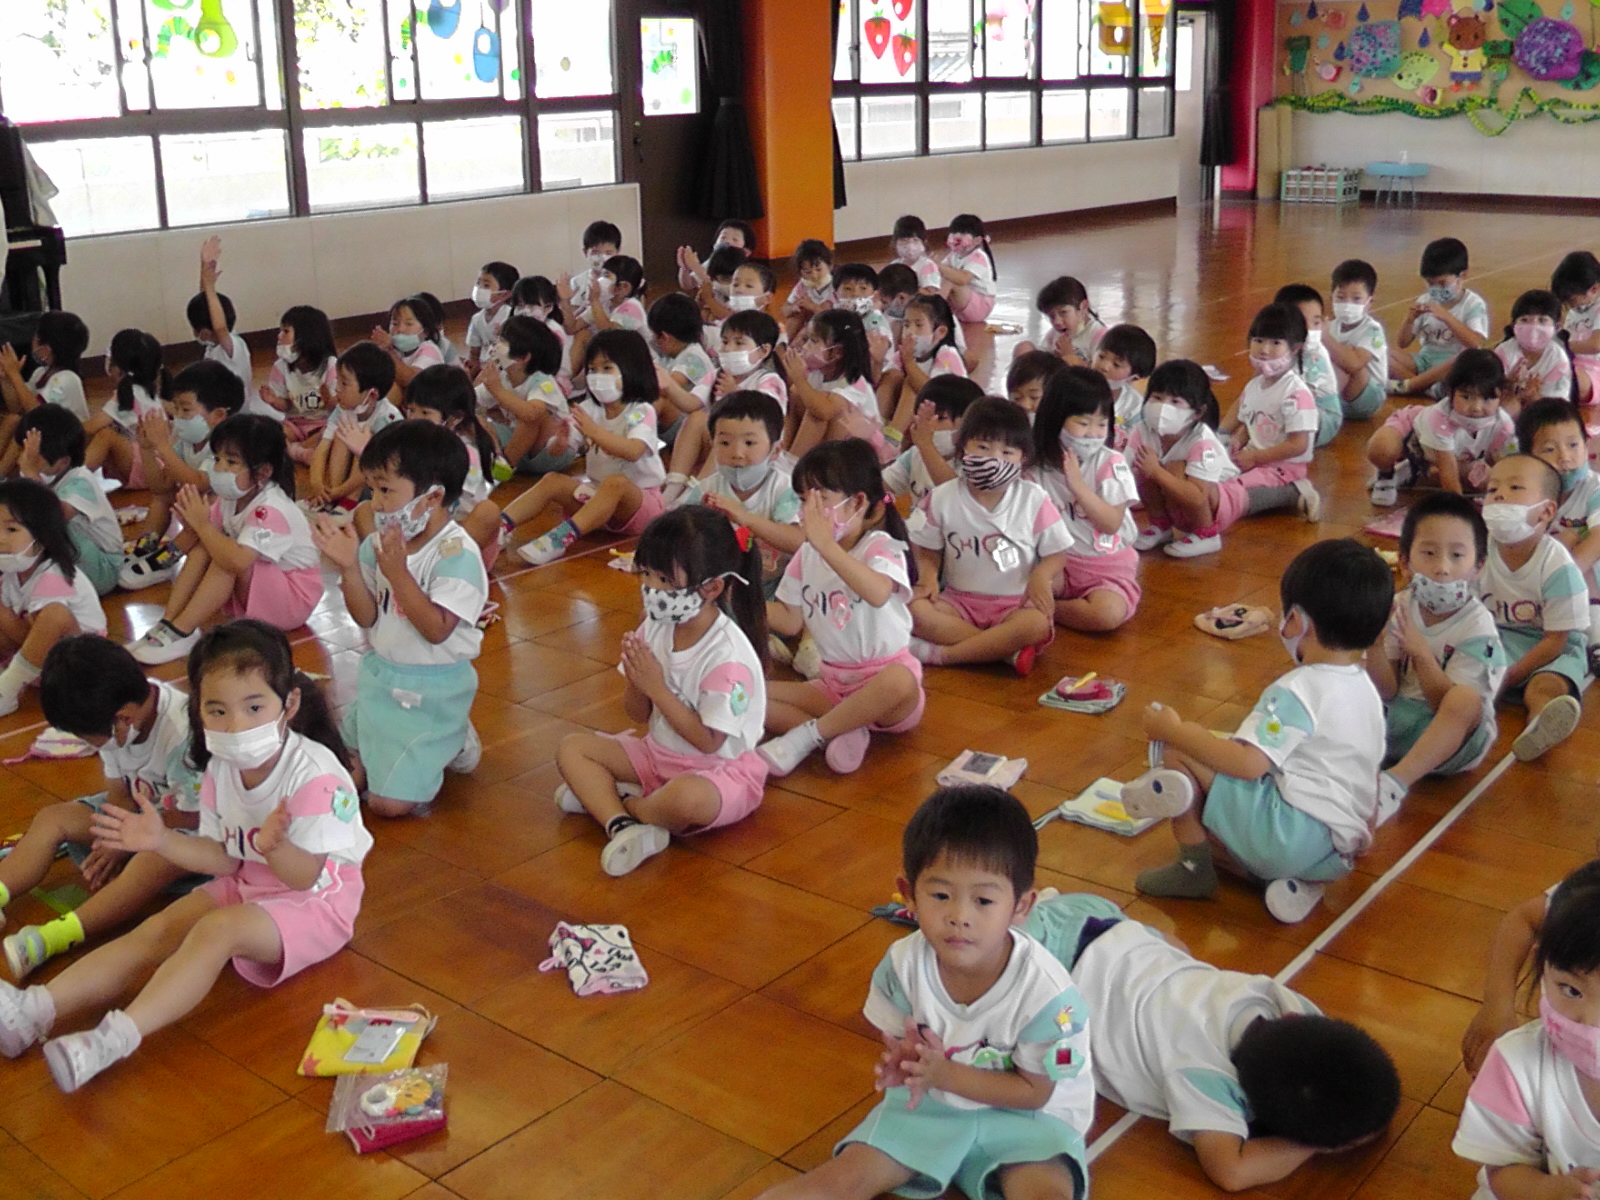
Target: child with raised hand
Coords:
[(930, 459), (1186, 480), (1553, 432), (1539, 601), (1273, 425), (848, 586), (1290, 800), (1534, 352), (968, 269), (1091, 486), (1453, 442), (1125, 354), (908, 242), (618, 301), (1075, 329), (999, 543), (52, 453), (747, 362), (280, 829), (44, 597), (411, 338), (813, 292), (1576, 283), (1528, 1117), (248, 549), (1445, 320), (1028, 376), (361, 408), (927, 350), (1248, 1073), (986, 1076), (133, 367), (305, 374), (829, 369), (521, 399), (683, 368), (59, 340), (417, 586), (92, 688), (1356, 341), (1316, 362), (1440, 663), (731, 234), (621, 488), (491, 300), (211, 316), (694, 671)]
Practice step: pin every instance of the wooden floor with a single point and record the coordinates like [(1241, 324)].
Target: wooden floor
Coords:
[(747, 1056)]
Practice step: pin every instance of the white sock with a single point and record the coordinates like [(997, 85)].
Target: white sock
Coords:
[(807, 731), (19, 673)]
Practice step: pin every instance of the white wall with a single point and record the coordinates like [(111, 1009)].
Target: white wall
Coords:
[(344, 263), (1536, 157), (1002, 184)]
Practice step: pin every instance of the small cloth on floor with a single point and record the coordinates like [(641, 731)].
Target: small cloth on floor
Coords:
[(132, 514), (973, 766), (599, 959), (1387, 524), (53, 743), (621, 560), (1097, 695), (1234, 621)]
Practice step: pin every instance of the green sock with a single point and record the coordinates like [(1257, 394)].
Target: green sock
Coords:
[(62, 934), (5, 895)]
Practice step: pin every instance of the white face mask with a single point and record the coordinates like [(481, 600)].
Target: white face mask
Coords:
[(1292, 644), (193, 430), (1475, 424), (1348, 312), (248, 749), (607, 389), (822, 284), (737, 363), (746, 479), (500, 356), (286, 352), (1509, 523), (481, 296), (539, 312), (1313, 339), (597, 260), (1166, 419), (1083, 448), (911, 249), (409, 519), (15, 564), (740, 302), (944, 442), (922, 345), (224, 485)]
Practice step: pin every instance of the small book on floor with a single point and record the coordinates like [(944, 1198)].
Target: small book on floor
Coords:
[(1100, 806), (1089, 693)]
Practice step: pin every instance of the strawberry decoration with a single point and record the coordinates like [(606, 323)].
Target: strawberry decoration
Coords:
[(902, 9), (876, 29), (905, 52)]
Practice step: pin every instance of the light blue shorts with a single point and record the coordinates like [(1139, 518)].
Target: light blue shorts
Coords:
[(1429, 357), (941, 1145), (1268, 836), (1330, 419), (1059, 922), (540, 462), (1406, 717), (78, 852), (1572, 664), (407, 723), (1368, 402), (101, 566)]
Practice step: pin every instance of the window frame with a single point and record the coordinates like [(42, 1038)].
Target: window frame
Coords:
[(1035, 83), (293, 120)]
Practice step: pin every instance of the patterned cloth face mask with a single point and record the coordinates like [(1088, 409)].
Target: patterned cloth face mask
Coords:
[(674, 606), (989, 474), (1441, 599)]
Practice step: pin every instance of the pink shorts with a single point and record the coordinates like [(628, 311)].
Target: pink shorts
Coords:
[(869, 431), (312, 925), (739, 781), (838, 682), (1403, 419), (302, 428), (278, 597), (976, 310), (136, 480), (1115, 572), (1278, 474), (650, 507)]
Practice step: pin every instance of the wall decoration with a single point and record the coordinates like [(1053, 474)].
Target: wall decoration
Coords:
[(1549, 49), (1375, 49)]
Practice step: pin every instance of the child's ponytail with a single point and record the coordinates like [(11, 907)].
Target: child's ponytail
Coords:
[(137, 355), (848, 466)]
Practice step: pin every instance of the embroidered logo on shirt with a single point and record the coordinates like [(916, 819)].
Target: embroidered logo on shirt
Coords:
[(344, 805), (738, 698)]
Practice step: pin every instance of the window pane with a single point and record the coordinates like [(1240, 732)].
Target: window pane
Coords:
[(473, 157), (1008, 37), (949, 41), (1008, 119), (572, 47), (362, 167), (1155, 115), (107, 184), (843, 68), (1063, 21), (1108, 114), (57, 61), (216, 177), (1064, 117), (207, 64), (271, 65), (340, 46), (888, 126), (135, 71), (458, 50), (1111, 39), (577, 150), (1184, 68), (844, 120), (955, 122), (889, 50), (669, 66), (1155, 50)]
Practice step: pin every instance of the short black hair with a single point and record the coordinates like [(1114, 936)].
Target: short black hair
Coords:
[(1549, 477), (1443, 256), (1345, 590), (1062, 290), (1541, 415), (1575, 274), (1133, 345), (897, 279), (60, 433), (85, 679), (1445, 504), (1035, 365), (973, 824), (748, 405), (992, 419), (597, 233), (36, 508), (743, 228), (1355, 270), (812, 250), (212, 385), (628, 270), (769, 281), (677, 316), (66, 335), (503, 273), (1481, 370), (199, 311), (856, 272), (909, 226), (531, 338), (1187, 380), (1280, 322), (757, 325), (950, 395), (627, 350), (371, 366), (444, 388), (535, 289), (428, 455), (1297, 294), (1315, 1081), (722, 262)]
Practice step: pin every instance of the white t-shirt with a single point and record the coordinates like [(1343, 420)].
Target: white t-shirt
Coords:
[(945, 360), (1581, 323), (238, 362), (427, 354), (48, 585), (1552, 369), (324, 810), (990, 553), (1316, 368), (1580, 504), (1466, 645), (627, 314), (719, 677), (1367, 335), (1527, 1107), (271, 524), (1113, 483), (638, 423), (1438, 428), (764, 380), (849, 631), (981, 266), (909, 474), (302, 389), (858, 395), (450, 572), (80, 489), (475, 488), (1165, 1025), (929, 277), (382, 413), (820, 297), (1270, 412), (774, 500), (1127, 408), (1547, 596), (695, 365), (161, 760), (128, 419), (1033, 1019), (1322, 727), (485, 325), (546, 389), (1470, 311), (1204, 456), (63, 388), (1086, 341)]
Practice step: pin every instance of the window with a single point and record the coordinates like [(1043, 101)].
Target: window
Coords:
[(948, 76), (162, 113)]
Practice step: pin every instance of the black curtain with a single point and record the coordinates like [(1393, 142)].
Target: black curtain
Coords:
[(729, 185), (839, 197), (1216, 138)]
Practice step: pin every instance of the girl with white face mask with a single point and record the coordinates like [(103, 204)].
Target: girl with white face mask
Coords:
[(1534, 352), (968, 269), (1185, 478), (1576, 283), (281, 832), (927, 351)]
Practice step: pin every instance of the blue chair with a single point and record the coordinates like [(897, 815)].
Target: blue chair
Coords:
[(1395, 179)]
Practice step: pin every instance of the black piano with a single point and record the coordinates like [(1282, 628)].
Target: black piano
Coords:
[(35, 254)]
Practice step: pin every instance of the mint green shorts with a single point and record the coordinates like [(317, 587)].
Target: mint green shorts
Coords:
[(1368, 402), (1406, 717), (1059, 922), (101, 566), (1572, 664), (1268, 836)]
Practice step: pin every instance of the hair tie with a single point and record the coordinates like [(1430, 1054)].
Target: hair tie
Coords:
[(742, 535)]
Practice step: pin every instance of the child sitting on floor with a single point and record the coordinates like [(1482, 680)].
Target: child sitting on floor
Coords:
[(1186, 480), (1553, 432), (1452, 443)]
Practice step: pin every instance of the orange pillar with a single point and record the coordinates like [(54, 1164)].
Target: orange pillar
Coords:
[(788, 94)]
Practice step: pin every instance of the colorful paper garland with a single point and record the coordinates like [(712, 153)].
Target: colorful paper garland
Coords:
[(1476, 109)]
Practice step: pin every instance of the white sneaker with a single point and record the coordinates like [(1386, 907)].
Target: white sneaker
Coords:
[(1553, 725), (1291, 900), (1390, 794), (1310, 502), (139, 573), (9, 702), (25, 951), (467, 760), (163, 644), (79, 1057), (1159, 793), (22, 1023), (807, 658), (1385, 491), (1193, 546), (1152, 537), (541, 550), (787, 751), (631, 846)]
